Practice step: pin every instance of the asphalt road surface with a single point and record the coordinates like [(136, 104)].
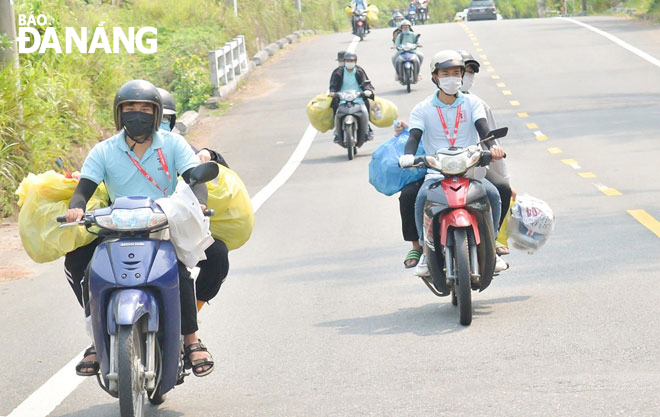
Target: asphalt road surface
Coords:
[(318, 316)]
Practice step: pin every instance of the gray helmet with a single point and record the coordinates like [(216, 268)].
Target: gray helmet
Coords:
[(446, 59), (350, 55), (141, 91), (406, 22), (469, 60), (397, 14), (169, 105)]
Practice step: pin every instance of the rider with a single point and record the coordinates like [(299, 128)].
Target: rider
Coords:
[(406, 36), (214, 269), (497, 170), (398, 19), (350, 76), (430, 122), (135, 161), (359, 6)]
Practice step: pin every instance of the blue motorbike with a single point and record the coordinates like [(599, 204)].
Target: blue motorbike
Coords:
[(134, 300), (407, 64)]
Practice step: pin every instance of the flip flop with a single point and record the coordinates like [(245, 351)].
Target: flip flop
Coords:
[(413, 255)]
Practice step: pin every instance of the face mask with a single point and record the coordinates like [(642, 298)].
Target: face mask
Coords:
[(137, 123), (405, 32), (165, 125), (398, 24), (350, 65), (449, 85), (468, 82)]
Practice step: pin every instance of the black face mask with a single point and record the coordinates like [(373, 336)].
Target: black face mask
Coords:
[(137, 123)]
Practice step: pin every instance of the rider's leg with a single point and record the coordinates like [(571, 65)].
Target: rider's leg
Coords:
[(338, 136), (189, 314), (407, 211), (364, 121), (419, 208), (504, 189), (75, 263), (212, 271), (495, 204)]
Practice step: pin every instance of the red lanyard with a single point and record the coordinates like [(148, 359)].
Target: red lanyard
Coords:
[(444, 124), (163, 163)]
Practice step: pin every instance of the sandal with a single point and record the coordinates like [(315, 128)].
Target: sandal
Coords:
[(88, 364), (198, 363), (413, 255), (501, 249)]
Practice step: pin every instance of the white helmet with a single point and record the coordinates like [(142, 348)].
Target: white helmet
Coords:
[(446, 59), (406, 22)]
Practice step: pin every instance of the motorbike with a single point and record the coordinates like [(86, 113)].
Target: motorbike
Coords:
[(423, 12), (407, 64), (411, 15), (458, 226), (360, 23), (134, 299), (348, 116)]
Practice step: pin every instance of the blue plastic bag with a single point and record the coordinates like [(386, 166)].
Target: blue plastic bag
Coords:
[(384, 171)]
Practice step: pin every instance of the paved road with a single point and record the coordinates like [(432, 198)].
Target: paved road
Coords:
[(319, 317)]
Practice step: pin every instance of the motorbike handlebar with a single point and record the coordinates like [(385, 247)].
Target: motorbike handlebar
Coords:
[(209, 212), (61, 219)]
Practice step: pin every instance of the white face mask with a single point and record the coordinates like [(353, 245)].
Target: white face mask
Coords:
[(450, 85), (468, 82), (349, 65)]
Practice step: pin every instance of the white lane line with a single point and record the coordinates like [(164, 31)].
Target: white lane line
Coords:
[(44, 400), (51, 394), (618, 41)]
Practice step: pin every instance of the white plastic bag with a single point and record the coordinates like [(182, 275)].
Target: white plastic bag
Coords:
[(531, 223)]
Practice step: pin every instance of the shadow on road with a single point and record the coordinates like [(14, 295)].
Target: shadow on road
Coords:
[(113, 410), (335, 158), (427, 320)]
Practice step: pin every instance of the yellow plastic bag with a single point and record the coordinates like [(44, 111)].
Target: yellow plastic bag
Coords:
[(320, 113), (233, 219), (384, 108), (349, 11), (372, 14), (503, 235), (42, 198)]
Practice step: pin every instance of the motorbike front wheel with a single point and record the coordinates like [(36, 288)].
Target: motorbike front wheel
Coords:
[(348, 140), (462, 269), (408, 79), (131, 360)]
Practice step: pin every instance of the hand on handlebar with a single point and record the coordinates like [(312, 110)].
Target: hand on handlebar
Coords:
[(367, 93), (74, 215), (406, 161), (497, 153)]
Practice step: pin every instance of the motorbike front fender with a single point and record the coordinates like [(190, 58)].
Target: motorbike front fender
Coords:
[(458, 218), (126, 307), (349, 120)]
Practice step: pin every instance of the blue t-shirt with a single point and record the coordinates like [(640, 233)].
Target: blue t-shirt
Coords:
[(350, 83), (109, 161)]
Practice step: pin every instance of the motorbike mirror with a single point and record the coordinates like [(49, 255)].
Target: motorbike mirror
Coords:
[(498, 133), (204, 173), (417, 38)]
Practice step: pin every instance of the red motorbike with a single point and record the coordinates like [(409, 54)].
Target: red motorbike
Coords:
[(458, 226)]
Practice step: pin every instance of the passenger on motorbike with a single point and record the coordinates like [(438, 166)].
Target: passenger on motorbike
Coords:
[(497, 170), (139, 160), (430, 123), (359, 6), (398, 19), (350, 76), (214, 269), (406, 36)]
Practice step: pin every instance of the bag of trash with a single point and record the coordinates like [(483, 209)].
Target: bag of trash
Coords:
[(385, 174), (531, 223), (320, 114), (382, 112)]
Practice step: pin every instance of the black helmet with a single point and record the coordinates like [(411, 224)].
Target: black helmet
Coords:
[(138, 91), (340, 55), (169, 105), (469, 60), (350, 55)]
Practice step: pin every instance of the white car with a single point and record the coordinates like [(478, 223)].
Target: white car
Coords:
[(461, 16)]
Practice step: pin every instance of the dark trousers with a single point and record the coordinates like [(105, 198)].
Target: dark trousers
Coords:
[(407, 209), (504, 189), (75, 268), (212, 271)]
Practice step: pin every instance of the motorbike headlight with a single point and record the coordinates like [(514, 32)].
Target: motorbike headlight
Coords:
[(349, 97), (453, 165), (123, 220)]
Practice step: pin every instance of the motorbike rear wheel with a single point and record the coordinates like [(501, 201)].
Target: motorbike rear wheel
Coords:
[(348, 140), (463, 286), (360, 32), (131, 355)]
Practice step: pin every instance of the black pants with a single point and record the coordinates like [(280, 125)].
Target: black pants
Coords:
[(212, 271), (407, 209), (75, 267), (505, 194)]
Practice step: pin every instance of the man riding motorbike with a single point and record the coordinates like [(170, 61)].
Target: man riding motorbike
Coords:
[(214, 269), (359, 6), (430, 123), (137, 161), (350, 76), (398, 19), (406, 36)]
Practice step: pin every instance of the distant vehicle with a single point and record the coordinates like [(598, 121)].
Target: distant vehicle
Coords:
[(481, 10), (461, 16)]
